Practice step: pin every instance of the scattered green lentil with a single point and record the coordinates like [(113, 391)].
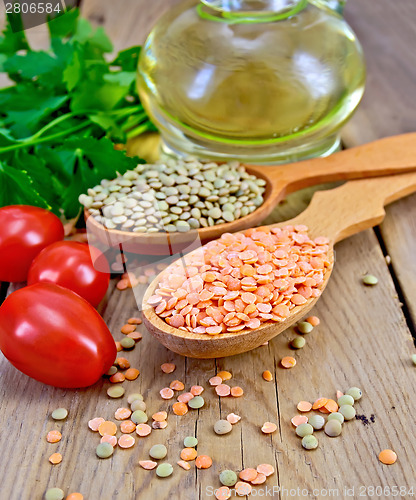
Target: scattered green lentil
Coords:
[(369, 280), (303, 430), (164, 470), (175, 195), (104, 450), (196, 402), (54, 494), (316, 421), (298, 343), (222, 427), (309, 442), (138, 405), (346, 399), (348, 411), (190, 442), (112, 371), (158, 451), (355, 392), (139, 417), (59, 414), (333, 428), (336, 416), (134, 397), (228, 478), (127, 343), (414, 359), (116, 391), (304, 327)]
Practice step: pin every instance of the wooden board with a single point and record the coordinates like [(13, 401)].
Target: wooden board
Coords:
[(363, 340)]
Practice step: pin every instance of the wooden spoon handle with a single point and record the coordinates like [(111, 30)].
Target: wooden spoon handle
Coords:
[(391, 155), (356, 205)]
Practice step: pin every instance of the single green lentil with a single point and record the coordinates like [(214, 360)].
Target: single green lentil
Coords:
[(348, 411), (414, 359), (336, 416), (104, 450), (222, 427), (309, 442), (369, 280), (116, 391), (134, 397), (112, 371), (355, 392), (228, 478), (164, 470), (303, 430), (298, 343), (304, 327), (60, 414), (158, 451), (317, 422), (333, 428), (346, 399), (54, 494), (127, 343), (190, 442), (138, 405), (139, 417), (196, 402)]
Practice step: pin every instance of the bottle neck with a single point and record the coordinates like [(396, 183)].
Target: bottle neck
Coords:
[(252, 7)]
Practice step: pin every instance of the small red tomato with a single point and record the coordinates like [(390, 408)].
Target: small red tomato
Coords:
[(55, 336), (24, 232), (71, 265)]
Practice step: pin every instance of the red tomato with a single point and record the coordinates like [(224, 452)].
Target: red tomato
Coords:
[(71, 265), (24, 232), (55, 336)]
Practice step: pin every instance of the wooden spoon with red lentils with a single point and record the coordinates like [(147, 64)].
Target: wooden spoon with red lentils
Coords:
[(241, 290)]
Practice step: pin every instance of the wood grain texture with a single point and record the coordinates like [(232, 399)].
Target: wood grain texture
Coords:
[(363, 340)]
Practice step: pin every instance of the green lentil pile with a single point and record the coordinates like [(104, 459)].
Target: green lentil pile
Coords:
[(178, 195)]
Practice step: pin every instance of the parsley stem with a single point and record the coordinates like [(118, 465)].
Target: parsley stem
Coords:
[(138, 130)]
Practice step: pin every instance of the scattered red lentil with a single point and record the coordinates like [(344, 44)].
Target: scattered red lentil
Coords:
[(339, 394), (122, 363), (331, 406), (185, 397), (107, 428), (313, 320), (188, 454), (126, 441), (248, 474), (215, 381), (196, 390), (127, 329), (160, 416), (180, 409), (387, 457), (166, 393), (319, 403), (223, 390), (203, 462), (267, 376), (243, 489), (147, 464), (168, 367), (119, 347), (304, 406), (184, 464), (143, 430), (122, 284), (110, 439), (117, 378), (53, 437), (223, 493), (242, 280), (75, 496), (268, 428), (224, 375), (134, 321), (265, 469), (131, 374), (288, 362), (260, 479), (236, 391), (122, 414), (135, 336), (95, 423), (55, 458), (177, 385), (159, 425), (233, 418), (299, 419)]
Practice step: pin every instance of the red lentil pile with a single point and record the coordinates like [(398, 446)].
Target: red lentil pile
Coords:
[(242, 280)]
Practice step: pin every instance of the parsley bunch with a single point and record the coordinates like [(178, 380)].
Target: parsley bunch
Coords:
[(61, 120)]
